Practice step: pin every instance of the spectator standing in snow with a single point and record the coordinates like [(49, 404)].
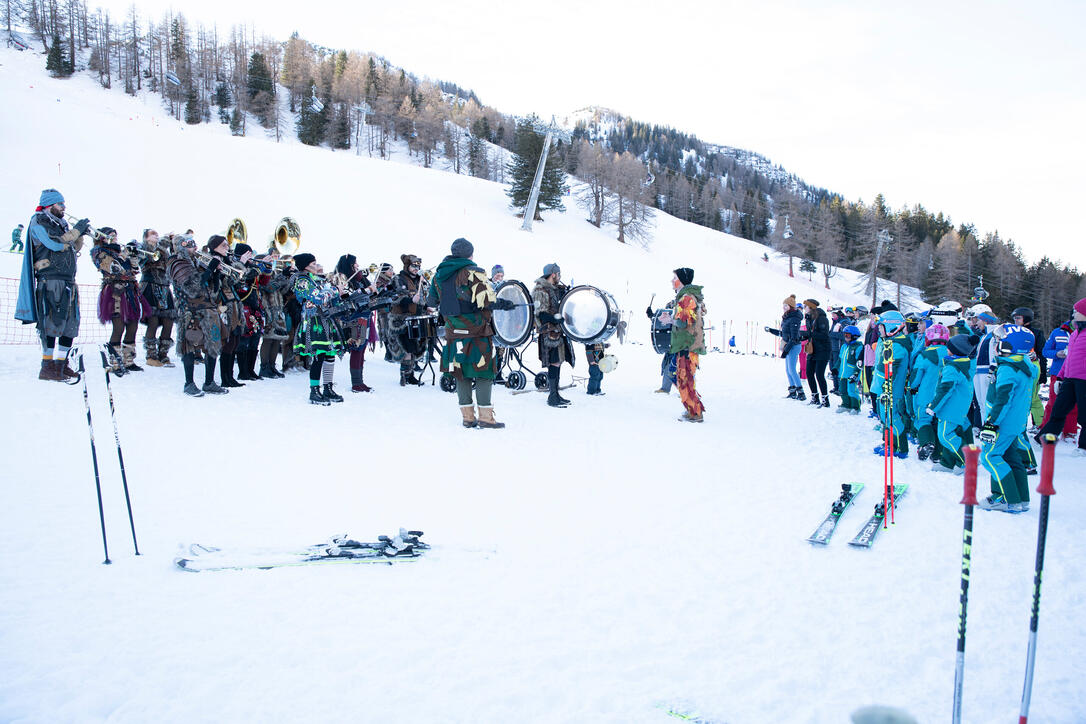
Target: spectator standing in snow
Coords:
[(1072, 378), (790, 346), (817, 346), (1055, 349)]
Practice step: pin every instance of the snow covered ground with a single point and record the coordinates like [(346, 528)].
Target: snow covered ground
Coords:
[(590, 564)]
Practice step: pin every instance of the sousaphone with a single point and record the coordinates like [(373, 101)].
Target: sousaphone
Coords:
[(287, 238), (236, 233)]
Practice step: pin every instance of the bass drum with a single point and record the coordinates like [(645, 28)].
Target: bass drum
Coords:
[(661, 333), (589, 315), (513, 327)]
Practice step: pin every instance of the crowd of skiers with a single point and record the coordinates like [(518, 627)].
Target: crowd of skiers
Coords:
[(944, 377)]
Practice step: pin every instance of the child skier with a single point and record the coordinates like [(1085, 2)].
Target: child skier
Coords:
[(1007, 406), (922, 383), (892, 363), (950, 406), (850, 361)]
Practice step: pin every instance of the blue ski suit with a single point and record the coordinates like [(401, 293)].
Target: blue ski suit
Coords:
[(1007, 406), (850, 359), (897, 350), (953, 397)]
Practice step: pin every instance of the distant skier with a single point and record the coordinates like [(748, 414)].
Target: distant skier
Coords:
[(48, 295), (687, 340), (17, 239)]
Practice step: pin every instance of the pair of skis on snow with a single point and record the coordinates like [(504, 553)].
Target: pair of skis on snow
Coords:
[(404, 547), (865, 538)]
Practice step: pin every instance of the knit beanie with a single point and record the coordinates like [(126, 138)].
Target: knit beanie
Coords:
[(50, 197), (215, 241), (790, 300), (685, 274), (301, 261), (462, 248), (1080, 306), (551, 268), (497, 269)]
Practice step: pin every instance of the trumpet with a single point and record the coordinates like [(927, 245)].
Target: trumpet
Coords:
[(272, 266), (152, 255), (90, 229), (203, 260)]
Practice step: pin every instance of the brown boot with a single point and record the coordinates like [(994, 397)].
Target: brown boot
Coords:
[(469, 416), (64, 370), (486, 419), (164, 346), (150, 348), (49, 371)]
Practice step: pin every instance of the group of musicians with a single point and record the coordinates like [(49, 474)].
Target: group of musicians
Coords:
[(230, 307)]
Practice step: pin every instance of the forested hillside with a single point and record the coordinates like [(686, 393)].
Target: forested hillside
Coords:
[(350, 100)]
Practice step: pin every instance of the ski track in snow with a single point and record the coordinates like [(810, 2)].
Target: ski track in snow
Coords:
[(628, 560)]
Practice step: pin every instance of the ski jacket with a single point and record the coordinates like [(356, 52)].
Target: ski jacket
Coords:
[(871, 342), (16, 237), (837, 337), (1074, 364), (789, 331), (900, 348), (1057, 341), (1039, 350), (850, 356), (925, 374), (1011, 395), (985, 354), (818, 332), (954, 393), (688, 323)]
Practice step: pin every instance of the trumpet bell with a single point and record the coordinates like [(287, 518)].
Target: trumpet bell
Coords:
[(236, 233), (287, 238)]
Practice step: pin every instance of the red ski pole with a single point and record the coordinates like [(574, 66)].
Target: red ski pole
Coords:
[(1048, 455), (969, 499)]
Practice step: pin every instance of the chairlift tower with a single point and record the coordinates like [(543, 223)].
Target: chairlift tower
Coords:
[(537, 183)]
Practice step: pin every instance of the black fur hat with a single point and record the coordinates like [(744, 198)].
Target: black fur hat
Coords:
[(685, 274)]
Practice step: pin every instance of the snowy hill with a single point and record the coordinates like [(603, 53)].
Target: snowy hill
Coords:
[(596, 564)]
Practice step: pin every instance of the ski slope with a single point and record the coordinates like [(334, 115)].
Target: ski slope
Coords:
[(596, 564)]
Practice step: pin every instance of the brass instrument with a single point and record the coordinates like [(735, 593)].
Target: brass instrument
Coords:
[(90, 229), (287, 238), (273, 266), (236, 233), (203, 260), (154, 255)]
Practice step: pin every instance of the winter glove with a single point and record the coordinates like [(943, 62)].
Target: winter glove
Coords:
[(252, 274), (1056, 387), (648, 312), (992, 374), (82, 225), (504, 305), (989, 433), (854, 379), (213, 266)]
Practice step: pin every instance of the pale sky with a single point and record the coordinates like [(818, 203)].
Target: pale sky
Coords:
[(975, 109)]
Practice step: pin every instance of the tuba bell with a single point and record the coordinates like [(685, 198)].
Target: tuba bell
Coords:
[(236, 233), (287, 237)]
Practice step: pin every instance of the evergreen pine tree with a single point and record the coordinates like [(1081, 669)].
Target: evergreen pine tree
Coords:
[(311, 122), (193, 113), (341, 127), (261, 88), (223, 101), (528, 147), (54, 62), (235, 123)]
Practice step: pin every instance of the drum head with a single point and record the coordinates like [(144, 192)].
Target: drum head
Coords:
[(661, 333), (513, 327), (588, 314)]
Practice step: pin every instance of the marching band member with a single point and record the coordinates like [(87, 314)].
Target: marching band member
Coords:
[(155, 288), (119, 301), (687, 340), (554, 346), (316, 337), (384, 280), (199, 327), (404, 349), (272, 289), (229, 302), (348, 278), (48, 295), (252, 311), (464, 297), (497, 276)]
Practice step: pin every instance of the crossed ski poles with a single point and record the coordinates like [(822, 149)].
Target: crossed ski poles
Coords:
[(94, 452)]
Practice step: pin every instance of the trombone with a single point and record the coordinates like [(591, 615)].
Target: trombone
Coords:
[(203, 260)]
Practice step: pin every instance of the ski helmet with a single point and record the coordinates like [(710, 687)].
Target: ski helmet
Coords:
[(962, 345), (852, 330), (862, 311), (1016, 339), (1025, 313), (982, 312), (891, 323), (937, 333), (947, 313)]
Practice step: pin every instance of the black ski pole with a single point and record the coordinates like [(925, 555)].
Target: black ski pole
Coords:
[(94, 458), (1048, 456), (120, 456), (969, 499)]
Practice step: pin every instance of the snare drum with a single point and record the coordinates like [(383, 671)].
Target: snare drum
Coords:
[(661, 333), (589, 315), (422, 327)]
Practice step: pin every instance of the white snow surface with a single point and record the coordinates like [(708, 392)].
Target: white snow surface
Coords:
[(595, 564)]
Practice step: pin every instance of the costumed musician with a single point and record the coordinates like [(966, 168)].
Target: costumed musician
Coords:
[(275, 282), (155, 288), (48, 296), (497, 276), (687, 340), (385, 278), (252, 310), (667, 364), (408, 283), (225, 293), (199, 326), (554, 346), (465, 298), (120, 303), (317, 338), (347, 278)]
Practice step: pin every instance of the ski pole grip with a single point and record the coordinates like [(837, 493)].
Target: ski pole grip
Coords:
[(1048, 461), (971, 454)]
